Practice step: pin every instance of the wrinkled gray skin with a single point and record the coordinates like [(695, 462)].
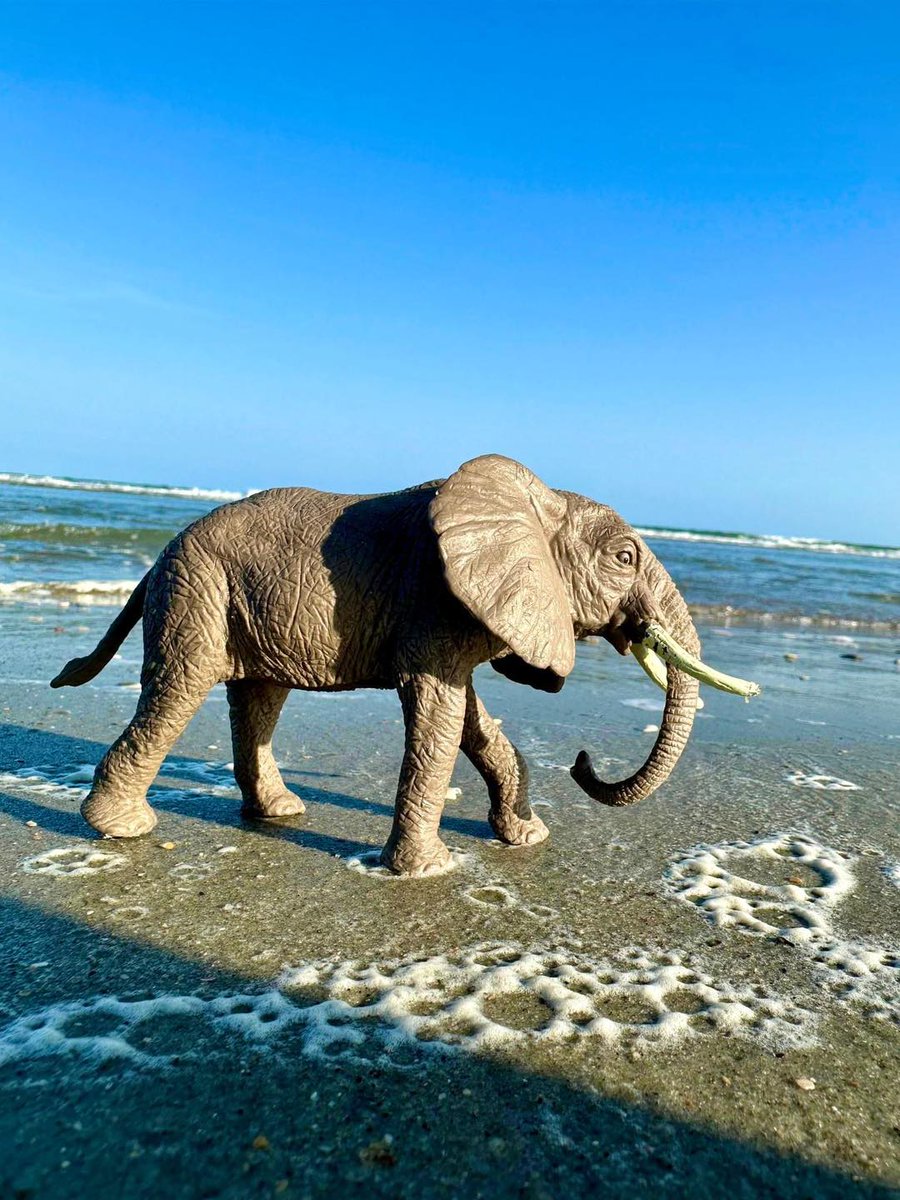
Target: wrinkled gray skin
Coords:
[(294, 588)]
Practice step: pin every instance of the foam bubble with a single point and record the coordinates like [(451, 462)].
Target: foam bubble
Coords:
[(72, 781), (828, 783), (70, 861), (482, 998), (797, 911), (859, 973), (188, 872), (64, 782), (793, 909)]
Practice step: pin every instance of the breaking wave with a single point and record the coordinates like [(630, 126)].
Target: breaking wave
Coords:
[(99, 485), (769, 541), (75, 591)]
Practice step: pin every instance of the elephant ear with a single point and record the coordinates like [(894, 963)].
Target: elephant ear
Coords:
[(493, 519)]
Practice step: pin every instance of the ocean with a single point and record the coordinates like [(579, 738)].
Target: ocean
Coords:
[(70, 542)]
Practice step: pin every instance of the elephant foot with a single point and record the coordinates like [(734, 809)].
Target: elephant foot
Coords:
[(273, 804), (515, 831), (415, 857), (115, 817)]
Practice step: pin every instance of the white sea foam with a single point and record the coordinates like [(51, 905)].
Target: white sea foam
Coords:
[(67, 782), (69, 861), (645, 704), (188, 872), (400, 1013), (137, 489), (71, 782), (797, 910), (827, 783), (65, 593)]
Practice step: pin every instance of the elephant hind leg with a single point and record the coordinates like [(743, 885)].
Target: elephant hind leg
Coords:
[(506, 774), (116, 805), (254, 708)]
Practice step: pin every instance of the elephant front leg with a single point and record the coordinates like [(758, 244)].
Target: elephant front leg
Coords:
[(433, 712), (506, 774), (254, 708)]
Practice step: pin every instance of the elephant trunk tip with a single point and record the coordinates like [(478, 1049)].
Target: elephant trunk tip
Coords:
[(590, 782)]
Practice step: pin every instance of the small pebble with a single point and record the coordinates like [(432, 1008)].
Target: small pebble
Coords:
[(166, 845), (379, 1153), (31, 824), (853, 657), (650, 729), (227, 850), (805, 1084), (260, 1142), (791, 657)]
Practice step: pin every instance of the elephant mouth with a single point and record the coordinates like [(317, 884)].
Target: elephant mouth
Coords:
[(623, 631)]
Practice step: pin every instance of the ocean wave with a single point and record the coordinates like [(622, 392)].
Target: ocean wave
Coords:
[(56, 535), (769, 541), (137, 489), (772, 541), (727, 614), (65, 592)]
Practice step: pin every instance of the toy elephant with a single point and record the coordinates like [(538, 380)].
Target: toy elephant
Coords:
[(295, 588)]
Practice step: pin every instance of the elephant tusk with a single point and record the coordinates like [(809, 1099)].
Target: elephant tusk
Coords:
[(655, 667), (663, 645), (652, 663)]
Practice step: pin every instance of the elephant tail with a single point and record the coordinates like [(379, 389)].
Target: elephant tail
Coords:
[(80, 670)]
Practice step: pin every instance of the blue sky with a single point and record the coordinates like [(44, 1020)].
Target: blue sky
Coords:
[(651, 250)]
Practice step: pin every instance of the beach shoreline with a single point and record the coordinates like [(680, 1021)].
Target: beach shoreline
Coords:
[(209, 906)]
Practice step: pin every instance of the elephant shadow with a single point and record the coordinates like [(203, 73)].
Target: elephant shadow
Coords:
[(51, 747)]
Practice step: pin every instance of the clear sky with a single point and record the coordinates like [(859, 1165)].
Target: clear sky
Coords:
[(650, 249)]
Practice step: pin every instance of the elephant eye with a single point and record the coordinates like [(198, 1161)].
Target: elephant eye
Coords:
[(625, 557)]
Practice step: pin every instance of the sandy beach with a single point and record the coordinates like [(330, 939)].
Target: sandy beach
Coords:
[(696, 996)]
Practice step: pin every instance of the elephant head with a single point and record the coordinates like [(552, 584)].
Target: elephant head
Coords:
[(540, 569)]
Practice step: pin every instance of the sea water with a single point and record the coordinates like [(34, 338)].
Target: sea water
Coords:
[(89, 542)]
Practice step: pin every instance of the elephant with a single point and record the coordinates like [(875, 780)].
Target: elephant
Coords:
[(293, 588)]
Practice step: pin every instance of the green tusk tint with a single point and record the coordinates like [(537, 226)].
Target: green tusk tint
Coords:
[(652, 663), (655, 667), (662, 645)]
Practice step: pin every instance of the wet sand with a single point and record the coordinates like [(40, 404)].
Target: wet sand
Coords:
[(697, 996)]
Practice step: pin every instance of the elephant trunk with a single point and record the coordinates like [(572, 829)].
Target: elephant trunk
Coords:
[(682, 691)]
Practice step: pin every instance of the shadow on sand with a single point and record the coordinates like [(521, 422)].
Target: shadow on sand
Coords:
[(47, 747), (229, 1119)]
